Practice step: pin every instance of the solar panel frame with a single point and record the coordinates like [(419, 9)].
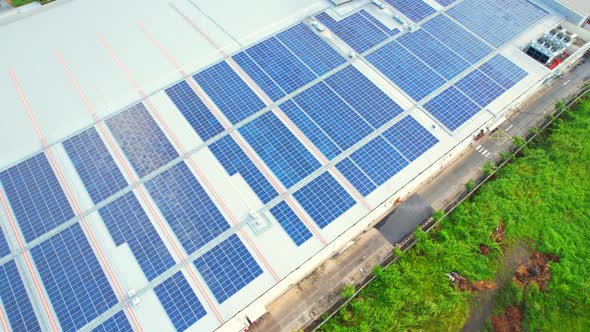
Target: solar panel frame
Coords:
[(410, 138), (15, 300), (443, 106)]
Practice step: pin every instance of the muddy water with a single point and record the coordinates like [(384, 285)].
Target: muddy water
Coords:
[(483, 305)]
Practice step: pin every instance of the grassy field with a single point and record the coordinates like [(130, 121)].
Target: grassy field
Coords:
[(543, 199)]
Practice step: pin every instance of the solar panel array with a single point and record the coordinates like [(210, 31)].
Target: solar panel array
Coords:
[(445, 3), (291, 223), (15, 300), (117, 323), (415, 10), (4, 248)]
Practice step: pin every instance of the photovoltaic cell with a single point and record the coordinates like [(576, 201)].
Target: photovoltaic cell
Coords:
[(190, 212), (95, 165), (291, 223), (15, 300), (128, 223), (456, 38), (235, 160), (279, 149), (117, 323), (141, 139), (227, 268), (378, 23), (415, 10), (270, 88), (410, 138), (229, 92), (480, 88), (36, 197), (452, 108), (194, 110), (445, 3), (73, 278), (379, 160), (355, 30), (311, 49), (324, 199), (405, 70), (179, 301), (364, 96), (4, 248), (356, 177), (503, 71)]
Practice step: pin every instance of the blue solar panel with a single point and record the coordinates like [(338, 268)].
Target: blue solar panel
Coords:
[(452, 108), (310, 129), (379, 160), (503, 71), (95, 165), (497, 22), (15, 301), (235, 160), (35, 196), (366, 98), (279, 149), (229, 92), (445, 3), (405, 70), (457, 38), (410, 138), (355, 30), (117, 323), (250, 67), (179, 301), (194, 110), (378, 23), (73, 278), (311, 49), (333, 115), (324, 199), (354, 175), (415, 10), (4, 248), (291, 223), (141, 139), (128, 223), (480, 88), (227, 268), (433, 53), (190, 212)]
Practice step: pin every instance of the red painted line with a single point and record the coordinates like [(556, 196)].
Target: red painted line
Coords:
[(191, 163), (4, 320), (140, 190), (72, 199), (196, 28)]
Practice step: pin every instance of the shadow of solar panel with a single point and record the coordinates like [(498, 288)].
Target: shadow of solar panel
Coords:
[(141, 139), (324, 199), (452, 108), (4, 248), (117, 323), (410, 138), (291, 223), (355, 30), (194, 110), (15, 301), (503, 71), (379, 160), (270, 88), (36, 197), (480, 88), (227, 268), (415, 10), (73, 278), (356, 177), (190, 212), (179, 301)]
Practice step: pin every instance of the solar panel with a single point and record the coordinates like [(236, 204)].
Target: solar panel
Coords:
[(36, 197), (194, 110), (433, 53), (286, 156), (15, 301), (117, 323), (179, 301), (456, 38), (235, 160), (270, 88), (141, 139), (378, 23), (503, 71), (311, 130), (405, 70), (190, 212), (311, 49), (356, 177), (324, 199), (227, 268), (415, 10), (364, 96), (128, 223), (452, 108), (338, 120), (4, 248), (73, 278), (95, 165), (410, 138), (229, 92), (480, 88), (445, 3), (291, 223), (355, 30), (379, 160)]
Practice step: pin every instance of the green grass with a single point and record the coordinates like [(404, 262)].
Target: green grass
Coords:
[(543, 197), (18, 3)]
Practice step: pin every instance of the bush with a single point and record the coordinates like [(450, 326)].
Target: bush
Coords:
[(505, 155), (348, 291), (518, 141), (470, 185), (488, 168)]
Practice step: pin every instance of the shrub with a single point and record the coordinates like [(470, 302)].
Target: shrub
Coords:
[(488, 168), (347, 291)]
